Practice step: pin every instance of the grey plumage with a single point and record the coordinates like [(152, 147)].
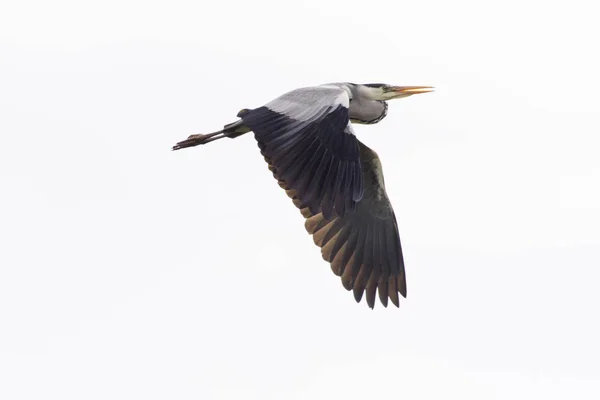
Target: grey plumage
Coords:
[(307, 139)]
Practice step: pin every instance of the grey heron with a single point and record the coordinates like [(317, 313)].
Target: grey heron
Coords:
[(307, 138)]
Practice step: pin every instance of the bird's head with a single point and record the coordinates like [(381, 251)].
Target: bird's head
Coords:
[(368, 103), (384, 92)]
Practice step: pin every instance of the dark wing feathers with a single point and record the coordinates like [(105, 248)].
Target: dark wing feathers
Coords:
[(318, 158), (362, 247), (336, 182)]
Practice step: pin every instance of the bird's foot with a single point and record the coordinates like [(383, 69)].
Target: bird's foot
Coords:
[(192, 140)]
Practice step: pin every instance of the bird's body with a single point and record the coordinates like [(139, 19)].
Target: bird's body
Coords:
[(306, 137)]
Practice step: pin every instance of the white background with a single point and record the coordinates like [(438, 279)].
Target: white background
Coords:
[(128, 271)]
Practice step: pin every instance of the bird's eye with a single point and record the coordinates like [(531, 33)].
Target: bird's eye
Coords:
[(385, 88)]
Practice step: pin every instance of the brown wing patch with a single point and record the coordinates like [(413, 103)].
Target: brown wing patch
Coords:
[(363, 247)]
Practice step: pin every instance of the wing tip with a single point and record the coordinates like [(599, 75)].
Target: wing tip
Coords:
[(402, 284), (370, 294)]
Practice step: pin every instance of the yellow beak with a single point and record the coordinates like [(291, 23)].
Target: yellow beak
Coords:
[(410, 90)]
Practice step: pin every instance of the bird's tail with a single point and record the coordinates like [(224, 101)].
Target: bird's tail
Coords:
[(235, 129)]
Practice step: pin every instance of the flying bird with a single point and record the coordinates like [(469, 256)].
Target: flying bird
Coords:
[(307, 138)]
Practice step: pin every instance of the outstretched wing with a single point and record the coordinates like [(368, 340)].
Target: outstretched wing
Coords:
[(307, 136), (362, 247)]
